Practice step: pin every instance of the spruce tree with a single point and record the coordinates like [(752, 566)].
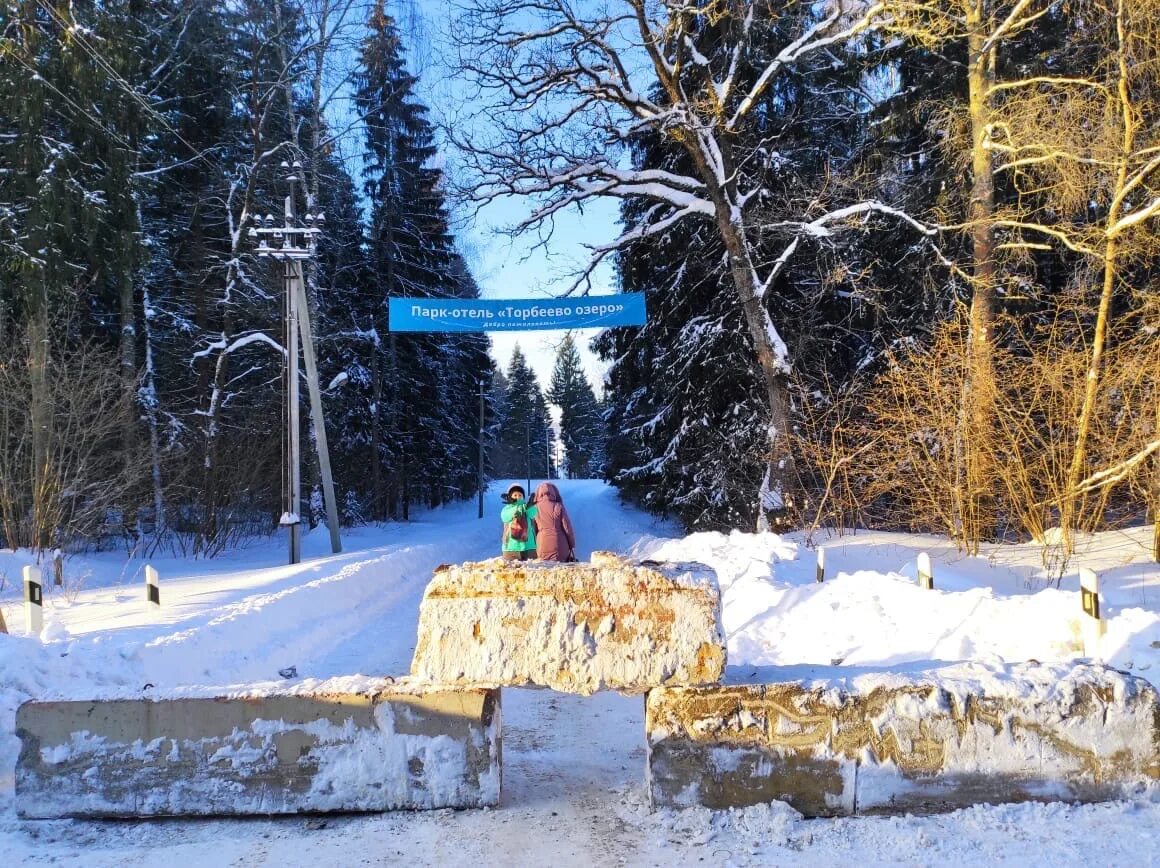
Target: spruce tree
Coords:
[(424, 452), (523, 442), (69, 237), (581, 424)]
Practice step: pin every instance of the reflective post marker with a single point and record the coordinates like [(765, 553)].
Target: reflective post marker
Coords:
[(152, 588), (820, 574), (925, 575), (33, 601), (1094, 626)]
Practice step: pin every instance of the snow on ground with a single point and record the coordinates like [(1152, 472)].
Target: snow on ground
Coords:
[(573, 789)]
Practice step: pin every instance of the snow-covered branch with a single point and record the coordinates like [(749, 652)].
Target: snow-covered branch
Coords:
[(1118, 472), (813, 39), (820, 226), (1066, 238), (1135, 218), (226, 346), (1015, 21)]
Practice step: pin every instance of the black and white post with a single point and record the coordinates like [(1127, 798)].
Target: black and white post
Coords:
[(820, 573), (152, 588), (1094, 625), (292, 243), (33, 601), (925, 574)]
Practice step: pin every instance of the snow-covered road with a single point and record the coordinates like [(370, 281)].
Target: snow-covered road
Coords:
[(574, 767)]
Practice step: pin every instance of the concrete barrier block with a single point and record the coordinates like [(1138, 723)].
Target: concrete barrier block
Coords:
[(608, 624), (352, 744), (894, 743)]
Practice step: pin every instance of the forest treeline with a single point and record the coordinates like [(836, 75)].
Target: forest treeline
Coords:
[(142, 340), (900, 260), (949, 216)]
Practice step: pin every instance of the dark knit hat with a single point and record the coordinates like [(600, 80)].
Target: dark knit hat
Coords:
[(516, 487)]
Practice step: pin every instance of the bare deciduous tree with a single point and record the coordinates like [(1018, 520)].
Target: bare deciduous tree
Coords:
[(985, 27), (562, 89), (1080, 155), (83, 482), (910, 417)]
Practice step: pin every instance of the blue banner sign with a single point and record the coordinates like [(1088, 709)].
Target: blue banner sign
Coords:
[(509, 315)]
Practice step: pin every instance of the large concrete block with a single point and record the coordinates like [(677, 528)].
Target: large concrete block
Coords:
[(606, 625), (345, 745), (892, 743)]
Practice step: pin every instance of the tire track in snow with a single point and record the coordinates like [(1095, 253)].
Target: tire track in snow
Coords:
[(310, 626)]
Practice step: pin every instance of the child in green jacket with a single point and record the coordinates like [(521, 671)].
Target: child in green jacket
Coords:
[(520, 545)]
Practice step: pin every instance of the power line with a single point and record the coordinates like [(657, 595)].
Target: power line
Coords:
[(124, 85), (80, 109)]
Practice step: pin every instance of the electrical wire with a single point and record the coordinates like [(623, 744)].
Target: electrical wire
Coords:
[(124, 85), (79, 109)]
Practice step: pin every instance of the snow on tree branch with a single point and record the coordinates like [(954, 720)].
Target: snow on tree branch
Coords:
[(227, 346)]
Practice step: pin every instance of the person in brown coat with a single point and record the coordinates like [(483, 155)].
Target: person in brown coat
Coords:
[(555, 539)]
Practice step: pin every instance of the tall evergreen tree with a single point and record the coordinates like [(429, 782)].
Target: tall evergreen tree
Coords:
[(420, 449), (525, 433), (69, 236), (581, 423)]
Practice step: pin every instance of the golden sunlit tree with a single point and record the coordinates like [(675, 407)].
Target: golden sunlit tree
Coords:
[(1076, 155)]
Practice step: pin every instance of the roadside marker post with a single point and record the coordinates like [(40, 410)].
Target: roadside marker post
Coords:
[(820, 575), (33, 601), (152, 588), (1094, 625), (925, 574)]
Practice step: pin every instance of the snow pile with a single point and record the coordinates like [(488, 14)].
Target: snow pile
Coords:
[(870, 611)]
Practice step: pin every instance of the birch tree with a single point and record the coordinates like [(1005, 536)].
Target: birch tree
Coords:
[(1088, 143), (235, 315), (561, 89), (1059, 200), (980, 29)]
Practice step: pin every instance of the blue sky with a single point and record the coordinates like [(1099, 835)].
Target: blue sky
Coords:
[(505, 267)]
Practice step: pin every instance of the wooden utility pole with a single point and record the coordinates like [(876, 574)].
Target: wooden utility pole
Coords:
[(292, 243)]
